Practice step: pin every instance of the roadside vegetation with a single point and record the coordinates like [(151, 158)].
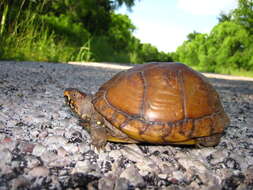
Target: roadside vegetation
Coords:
[(90, 30), (227, 49), (71, 30)]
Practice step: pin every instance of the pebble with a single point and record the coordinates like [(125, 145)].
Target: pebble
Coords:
[(48, 156), (60, 162), (61, 152), (71, 148), (43, 134), (218, 156), (131, 173), (249, 176), (54, 142), (26, 147), (121, 184), (20, 182), (5, 169), (107, 182), (39, 171), (83, 167), (5, 156), (32, 161), (39, 149), (83, 147), (190, 163), (8, 143)]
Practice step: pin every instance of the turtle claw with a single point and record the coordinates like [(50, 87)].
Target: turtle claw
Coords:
[(98, 146)]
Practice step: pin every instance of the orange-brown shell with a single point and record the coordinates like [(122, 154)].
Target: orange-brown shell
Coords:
[(161, 103)]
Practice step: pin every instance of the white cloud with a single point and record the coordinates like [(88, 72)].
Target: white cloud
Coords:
[(165, 38), (207, 7)]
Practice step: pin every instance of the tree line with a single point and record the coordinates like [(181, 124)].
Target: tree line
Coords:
[(228, 47)]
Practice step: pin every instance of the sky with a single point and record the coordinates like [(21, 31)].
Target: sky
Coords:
[(166, 23)]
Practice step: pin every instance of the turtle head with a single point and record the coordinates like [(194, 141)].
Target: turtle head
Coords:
[(79, 102)]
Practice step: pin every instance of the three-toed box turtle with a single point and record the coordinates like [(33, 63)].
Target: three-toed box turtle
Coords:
[(159, 103)]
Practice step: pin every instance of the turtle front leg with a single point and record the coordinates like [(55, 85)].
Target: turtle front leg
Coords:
[(98, 135)]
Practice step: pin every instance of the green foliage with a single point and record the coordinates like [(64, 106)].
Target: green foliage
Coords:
[(243, 15), (120, 32), (228, 47), (66, 29), (86, 30)]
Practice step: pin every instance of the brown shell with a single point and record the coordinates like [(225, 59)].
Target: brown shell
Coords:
[(161, 103)]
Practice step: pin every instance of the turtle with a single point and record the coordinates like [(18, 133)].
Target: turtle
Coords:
[(154, 103)]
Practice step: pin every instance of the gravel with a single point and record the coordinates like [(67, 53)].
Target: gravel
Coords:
[(42, 145)]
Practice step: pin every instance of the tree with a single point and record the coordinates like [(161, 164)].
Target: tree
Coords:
[(244, 14), (192, 36), (229, 44), (193, 50), (224, 17), (120, 32)]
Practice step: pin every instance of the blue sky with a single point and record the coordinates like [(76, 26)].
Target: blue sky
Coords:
[(166, 23)]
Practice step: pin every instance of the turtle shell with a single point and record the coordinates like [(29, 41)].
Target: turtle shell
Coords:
[(161, 103)]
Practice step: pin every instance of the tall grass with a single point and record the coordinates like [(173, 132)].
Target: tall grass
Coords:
[(32, 38)]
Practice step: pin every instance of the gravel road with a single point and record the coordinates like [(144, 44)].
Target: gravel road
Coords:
[(43, 147)]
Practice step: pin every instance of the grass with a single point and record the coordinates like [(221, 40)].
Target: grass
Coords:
[(33, 39), (234, 72)]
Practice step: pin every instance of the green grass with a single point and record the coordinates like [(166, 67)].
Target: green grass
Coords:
[(227, 71), (32, 39)]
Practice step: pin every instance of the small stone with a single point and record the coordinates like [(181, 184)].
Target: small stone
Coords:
[(249, 176), (83, 147), (107, 182), (121, 184), (59, 131), (131, 173), (43, 134), (38, 150), (7, 140), (27, 147), (32, 161), (39, 171), (82, 167), (60, 162), (190, 163), (72, 148), (19, 182), (148, 166), (132, 152), (178, 175), (217, 156), (8, 143), (55, 182), (61, 152), (54, 142), (115, 154), (5, 169), (163, 176), (2, 136), (5, 156), (48, 156)]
